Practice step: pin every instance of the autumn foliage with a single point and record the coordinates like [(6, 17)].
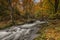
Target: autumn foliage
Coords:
[(29, 9)]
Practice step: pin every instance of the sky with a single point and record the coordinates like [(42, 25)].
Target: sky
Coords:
[(37, 1)]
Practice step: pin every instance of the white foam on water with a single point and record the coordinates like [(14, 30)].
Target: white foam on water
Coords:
[(19, 33)]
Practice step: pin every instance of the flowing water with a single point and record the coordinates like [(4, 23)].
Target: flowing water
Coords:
[(22, 32)]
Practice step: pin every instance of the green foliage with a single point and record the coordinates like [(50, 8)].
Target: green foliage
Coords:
[(52, 16)]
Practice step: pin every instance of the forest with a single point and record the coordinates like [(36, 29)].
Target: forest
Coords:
[(17, 12)]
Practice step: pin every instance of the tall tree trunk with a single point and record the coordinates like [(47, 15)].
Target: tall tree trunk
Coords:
[(56, 5), (11, 12)]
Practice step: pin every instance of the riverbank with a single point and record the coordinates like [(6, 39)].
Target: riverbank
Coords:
[(50, 31), (6, 24)]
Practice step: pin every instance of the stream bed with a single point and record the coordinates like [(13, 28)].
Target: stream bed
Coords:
[(21, 32)]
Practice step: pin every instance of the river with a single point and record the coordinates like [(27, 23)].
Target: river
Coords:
[(21, 32)]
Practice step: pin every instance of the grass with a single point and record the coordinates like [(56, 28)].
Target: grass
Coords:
[(50, 31)]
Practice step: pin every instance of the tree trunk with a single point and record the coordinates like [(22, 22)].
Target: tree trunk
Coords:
[(56, 5), (11, 12)]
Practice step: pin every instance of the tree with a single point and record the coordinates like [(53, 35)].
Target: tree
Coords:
[(12, 12), (55, 5), (12, 3), (27, 7)]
